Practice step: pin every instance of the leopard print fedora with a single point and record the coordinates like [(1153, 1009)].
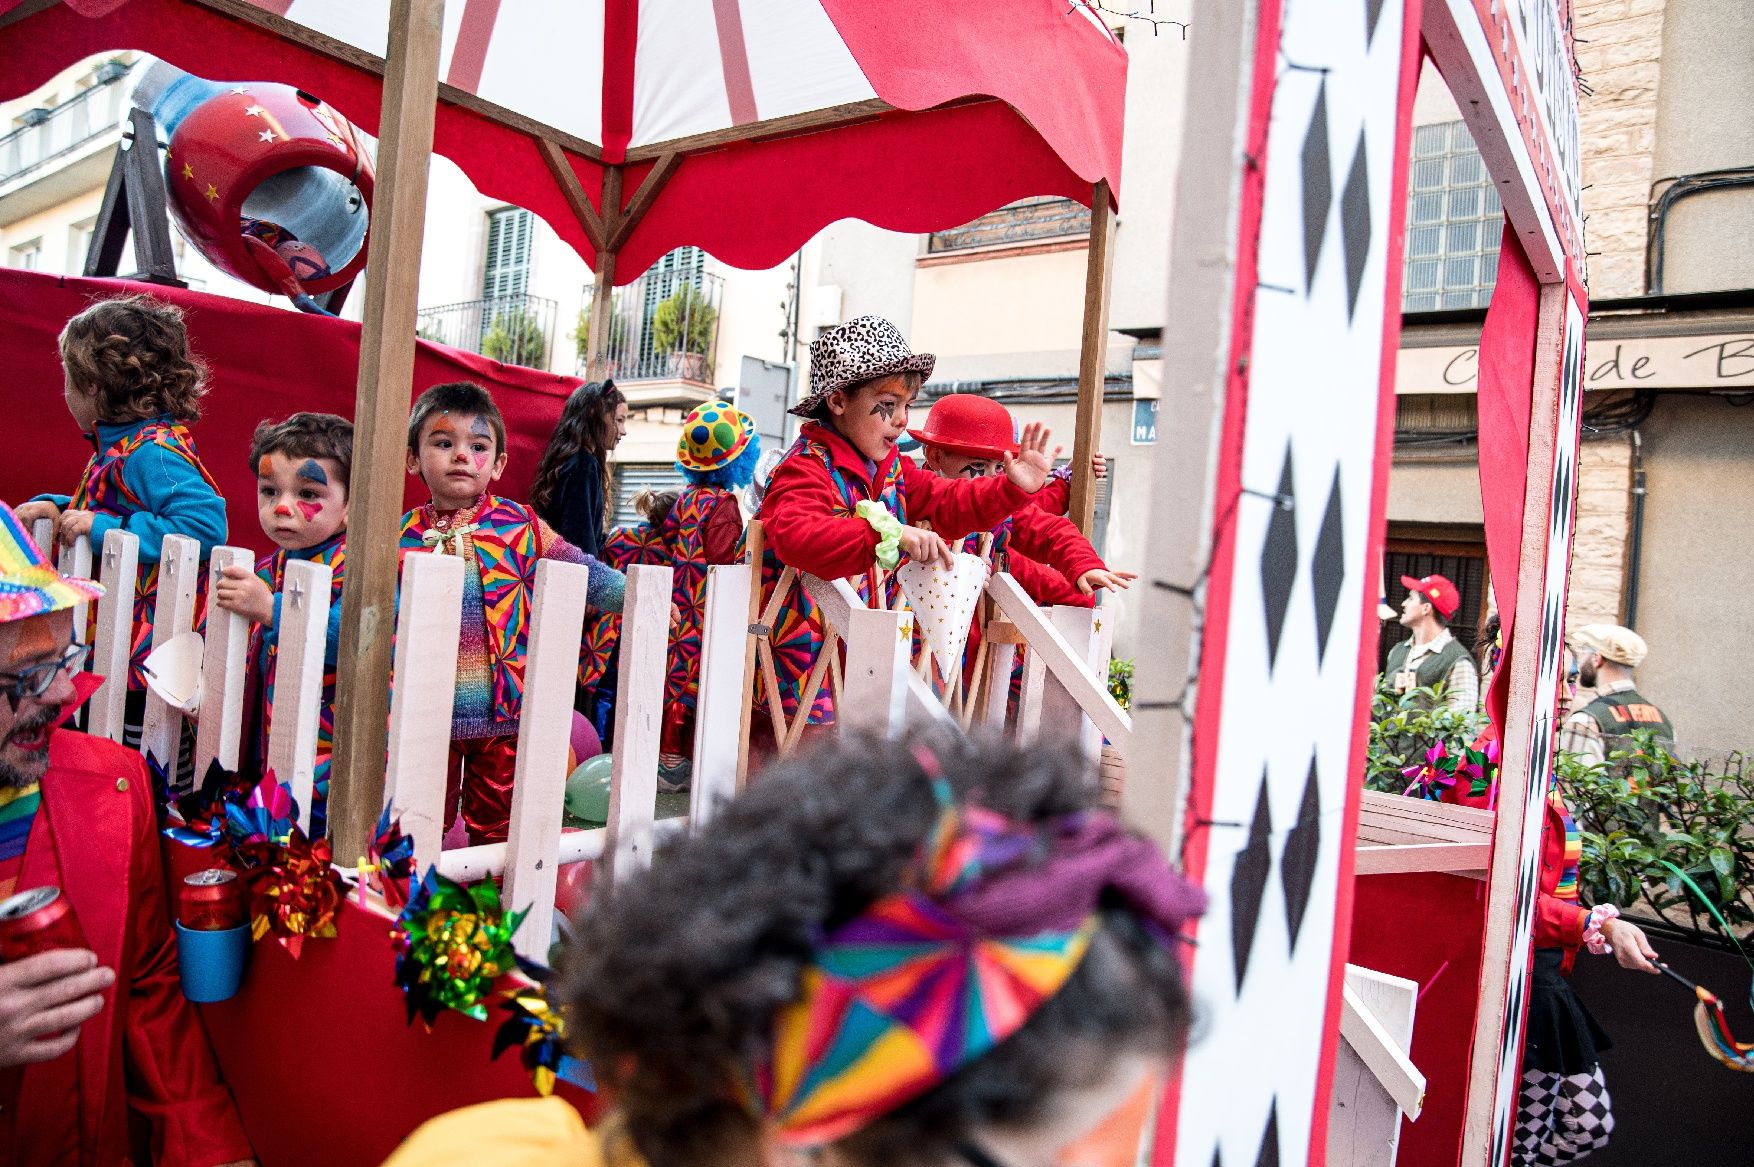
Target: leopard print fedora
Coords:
[(859, 350)]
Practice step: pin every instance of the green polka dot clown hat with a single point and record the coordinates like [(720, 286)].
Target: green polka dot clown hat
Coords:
[(713, 434)]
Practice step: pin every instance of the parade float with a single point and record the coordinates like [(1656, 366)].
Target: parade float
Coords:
[(745, 129)]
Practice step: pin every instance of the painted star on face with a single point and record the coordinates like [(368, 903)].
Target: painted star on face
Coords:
[(266, 135), (255, 111)]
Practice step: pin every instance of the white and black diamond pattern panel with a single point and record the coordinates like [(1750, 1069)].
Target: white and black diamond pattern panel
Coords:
[(1548, 661), (1291, 632)]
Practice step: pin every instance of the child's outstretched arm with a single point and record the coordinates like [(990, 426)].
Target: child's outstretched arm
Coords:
[(607, 588), (1056, 542), (175, 500)]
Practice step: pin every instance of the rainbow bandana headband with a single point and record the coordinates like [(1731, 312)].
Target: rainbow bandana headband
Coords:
[(928, 979), (28, 585)]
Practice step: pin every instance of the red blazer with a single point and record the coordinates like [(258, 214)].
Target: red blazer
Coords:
[(145, 1054), (1044, 544), (1559, 922), (798, 511)]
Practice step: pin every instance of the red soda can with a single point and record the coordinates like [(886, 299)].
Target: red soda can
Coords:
[(210, 901), (36, 921)]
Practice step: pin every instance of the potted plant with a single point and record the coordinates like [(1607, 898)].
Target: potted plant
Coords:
[(682, 326), (516, 338), (614, 345)]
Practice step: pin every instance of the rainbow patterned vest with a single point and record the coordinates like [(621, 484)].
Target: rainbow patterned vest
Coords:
[(508, 550), (624, 547), (271, 570), (684, 535), (102, 488), (797, 630)]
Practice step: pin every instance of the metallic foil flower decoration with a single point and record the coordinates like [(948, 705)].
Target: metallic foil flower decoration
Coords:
[(452, 944), (295, 891), (539, 1032)]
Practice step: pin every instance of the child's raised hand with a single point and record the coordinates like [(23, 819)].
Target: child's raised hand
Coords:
[(242, 591), (73, 526), (31, 512), (1102, 577), (924, 546), (1028, 469)]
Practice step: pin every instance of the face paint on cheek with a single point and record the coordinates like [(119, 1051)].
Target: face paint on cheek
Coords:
[(1114, 1140), (480, 461), (884, 409), (309, 510)]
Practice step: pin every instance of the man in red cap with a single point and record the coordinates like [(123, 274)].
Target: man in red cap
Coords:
[(97, 1038), (1431, 657)]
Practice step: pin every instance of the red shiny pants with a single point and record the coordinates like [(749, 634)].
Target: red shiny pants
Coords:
[(480, 778)]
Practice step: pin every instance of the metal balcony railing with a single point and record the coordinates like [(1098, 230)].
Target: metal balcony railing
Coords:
[(664, 327), (518, 330), (48, 133)]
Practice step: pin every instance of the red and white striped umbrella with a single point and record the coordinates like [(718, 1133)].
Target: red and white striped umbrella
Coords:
[(914, 116)]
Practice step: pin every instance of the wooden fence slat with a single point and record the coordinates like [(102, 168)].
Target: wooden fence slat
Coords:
[(1060, 712), (488, 860), (424, 688), (179, 566), (219, 726), (1364, 1119), (879, 657), (557, 625), (115, 633), (298, 681), (42, 533), (75, 560), (998, 691), (639, 705), (718, 707), (1059, 658)]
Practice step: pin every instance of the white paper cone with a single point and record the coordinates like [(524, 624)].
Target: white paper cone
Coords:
[(173, 671), (943, 604)]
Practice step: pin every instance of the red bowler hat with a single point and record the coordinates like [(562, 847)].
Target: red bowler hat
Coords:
[(970, 425), (1440, 591)]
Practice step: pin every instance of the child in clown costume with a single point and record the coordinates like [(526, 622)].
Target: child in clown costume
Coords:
[(843, 502), (456, 445), (623, 547), (134, 388)]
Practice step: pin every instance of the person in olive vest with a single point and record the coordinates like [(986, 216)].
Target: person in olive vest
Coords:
[(1606, 657), (1431, 656)]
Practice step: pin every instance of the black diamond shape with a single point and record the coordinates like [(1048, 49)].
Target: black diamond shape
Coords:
[(1327, 567), (1268, 1155), (1248, 883), (1372, 11), (1355, 223), (1318, 185), (1560, 515), (1279, 560), (1303, 844)]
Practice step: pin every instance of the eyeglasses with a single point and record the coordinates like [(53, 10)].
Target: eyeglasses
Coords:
[(39, 678)]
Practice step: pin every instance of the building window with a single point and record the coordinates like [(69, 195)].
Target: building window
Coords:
[(1454, 221), (79, 244), (26, 256), (1024, 221), (507, 269)]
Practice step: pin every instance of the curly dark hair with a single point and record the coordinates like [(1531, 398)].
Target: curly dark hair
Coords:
[(587, 422), (306, 435), (133, 352), (673, 982), (456, 397)]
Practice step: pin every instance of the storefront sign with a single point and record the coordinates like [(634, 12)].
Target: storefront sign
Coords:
[(1144, 421), (1720, 361)]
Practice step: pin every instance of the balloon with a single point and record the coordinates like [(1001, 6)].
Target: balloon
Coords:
[(585, 743), (572, 887), (587, 789)]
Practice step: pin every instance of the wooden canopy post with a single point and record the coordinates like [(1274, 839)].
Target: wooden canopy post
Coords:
[(603, 282), (1092, 356), (380, 414)]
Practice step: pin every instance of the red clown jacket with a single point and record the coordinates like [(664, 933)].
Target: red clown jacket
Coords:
[(145, 1055)]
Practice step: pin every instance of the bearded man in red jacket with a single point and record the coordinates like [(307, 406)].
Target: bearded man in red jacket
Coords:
[(90, 1038)]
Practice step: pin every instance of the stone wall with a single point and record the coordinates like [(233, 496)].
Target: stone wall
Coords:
[(1604, 515), (1619, 43)]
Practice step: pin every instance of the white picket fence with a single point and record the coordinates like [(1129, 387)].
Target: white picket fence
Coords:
[(879, 691)]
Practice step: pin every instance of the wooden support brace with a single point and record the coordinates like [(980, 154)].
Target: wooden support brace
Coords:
[(1384, 1052), (577, 201), (178, 572), (720, 702), (1372, 1076), (114, 641), (639, 710), (1059, 658), (557, 625), (488, 860), (427, 624), (219, 727), (303, 636), (1092, 356)]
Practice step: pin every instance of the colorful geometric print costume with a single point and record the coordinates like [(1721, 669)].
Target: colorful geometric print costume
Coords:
[(265, 652), (624, 547), (684, 536), (507, 541), (104, 489)]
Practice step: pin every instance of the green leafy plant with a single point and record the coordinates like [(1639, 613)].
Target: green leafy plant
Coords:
[(684, 322), (1405, 728), (516, 338), (617, 341), (1645, 809), (1120, 682)]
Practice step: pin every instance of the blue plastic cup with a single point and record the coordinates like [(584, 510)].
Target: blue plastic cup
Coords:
[(212, 963)]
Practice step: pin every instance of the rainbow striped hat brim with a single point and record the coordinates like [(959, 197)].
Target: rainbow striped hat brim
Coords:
[(28, 585)]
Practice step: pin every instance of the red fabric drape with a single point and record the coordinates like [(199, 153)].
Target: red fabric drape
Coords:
[(265, 363), (1507, 370)]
